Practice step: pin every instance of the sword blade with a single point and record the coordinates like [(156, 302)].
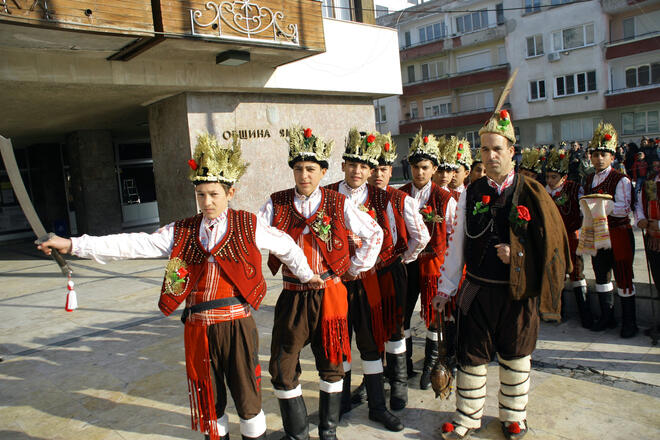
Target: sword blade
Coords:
[(7, 152)]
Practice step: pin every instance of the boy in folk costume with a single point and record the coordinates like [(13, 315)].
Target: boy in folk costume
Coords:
[(320, 221), (437, 208), (566, 193), (647, 216), (215, 266), (508, 234), (619, 257), (477, 169), (532, 162), (410, 237), (446, 167), (464, 162)]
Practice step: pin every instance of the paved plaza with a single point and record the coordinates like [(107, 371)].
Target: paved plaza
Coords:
[(114, 368)]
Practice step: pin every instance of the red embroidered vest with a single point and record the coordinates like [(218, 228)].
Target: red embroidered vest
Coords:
[(237, 255), (377, 200), (287, 218), (397, 199), (438, 200), (608, 186), (569, 206)]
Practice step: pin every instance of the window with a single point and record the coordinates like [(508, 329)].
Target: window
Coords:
[(408, 41), (578, 129), (639, 122), (381, 10), (574, 37), (629, 28), (433, 70), (411, 74), (499, 13), (414, 113), (643, 75), (432, 32), (544, 132), (560, 2), (532, 6), (473, 61), (472, 22), (437, 107), (381, 115), (535, 45), (577, 83), (475, 100), (536, 90), (473, 138), (340, 9), (501, 55)]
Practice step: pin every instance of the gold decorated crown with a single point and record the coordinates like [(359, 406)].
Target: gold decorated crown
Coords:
[(304, 146), (424, 147), (532, 159), (362, 148), (463, 152), (387, 149), (605, 138), (213, 162), (557, 161), (500, 123), (476, 156)]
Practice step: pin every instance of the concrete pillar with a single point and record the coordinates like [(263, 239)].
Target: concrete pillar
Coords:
[(94, 182), (171, 150)]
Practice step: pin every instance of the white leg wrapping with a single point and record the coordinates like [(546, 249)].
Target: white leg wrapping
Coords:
[(470, 397), (514, 386), (223, 425), (254, 427)]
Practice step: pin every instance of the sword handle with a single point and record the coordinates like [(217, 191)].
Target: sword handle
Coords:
[(59, 259)]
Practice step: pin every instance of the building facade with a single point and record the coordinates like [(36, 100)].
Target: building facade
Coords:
[(104, 103)]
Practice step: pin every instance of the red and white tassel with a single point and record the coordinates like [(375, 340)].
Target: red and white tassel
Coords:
[(71, 299)]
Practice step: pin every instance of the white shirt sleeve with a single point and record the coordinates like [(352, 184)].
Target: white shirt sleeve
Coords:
[(362, 225), (284, 248), (450, 216), (266, 212), (639, 209), (454, 257), (418, 234), (622, 194), (125, 246)]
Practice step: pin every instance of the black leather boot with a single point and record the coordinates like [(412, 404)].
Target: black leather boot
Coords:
[(398, 380), (430, 359), (226, 437), (606, 320), (261, 437), (584, 309), (329, 405), (376, 398), (409, 363), (629, 317), (294, 418), (359, 395), (346, 405)]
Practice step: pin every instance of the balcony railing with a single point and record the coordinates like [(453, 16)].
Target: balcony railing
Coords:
[(457, 74), (448, 36), (613, 92), (633, 38), (448, 115)]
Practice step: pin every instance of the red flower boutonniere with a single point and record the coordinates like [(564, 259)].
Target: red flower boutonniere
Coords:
[(561, 199), (429, 215), (322, 226), (482, 206), (371, 211), (176, 276), (520, 215), (307, 133), (192, 164)]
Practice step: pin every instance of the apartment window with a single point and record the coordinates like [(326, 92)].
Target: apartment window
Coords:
[(582, 82), (629, 27), (643, 75), (532, 6), (475, 100), (578, 129), (472, 22), (381, 10), (411, 74), (473, 61), (436, 107), (535, 45), (473, 138), (414, 112), (536, 90), (407, 38), (433, 70), (340, 9), (573, 38), (499, 13), (639, 122), (432, 32), (560, 2), (381, 115)]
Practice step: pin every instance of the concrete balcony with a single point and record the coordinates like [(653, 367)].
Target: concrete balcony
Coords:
[(632, 46), (452, 120), (632, 96), (618, 6), (455, 80)]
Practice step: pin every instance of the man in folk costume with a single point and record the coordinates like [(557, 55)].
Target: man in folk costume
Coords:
[(566, 194), (532, 162), (509, 235), (647, 216), (464, 162), (365, 305), (619, 256), (320, 221), (215, 266), (409, 237), (438, 209)]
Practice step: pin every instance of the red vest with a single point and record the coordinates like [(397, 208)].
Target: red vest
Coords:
[(237, 254), (377, 200), (569, 206), (608, 186), (397, 199), (287, 218), (438, 200)]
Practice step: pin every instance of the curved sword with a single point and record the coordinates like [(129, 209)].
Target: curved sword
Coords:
[(18, 186)]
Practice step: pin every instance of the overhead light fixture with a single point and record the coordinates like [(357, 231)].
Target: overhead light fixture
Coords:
[(232, 58)]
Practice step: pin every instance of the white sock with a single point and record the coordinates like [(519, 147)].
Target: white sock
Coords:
[(514, 388), (470, 397)]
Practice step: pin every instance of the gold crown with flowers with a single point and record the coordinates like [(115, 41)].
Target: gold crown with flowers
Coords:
[(387, 149), (605, 138), (424, 147), (213, 162), (362, 148), (463, 153), (304, 145), (532, 159), (448, 149), (557, 161)]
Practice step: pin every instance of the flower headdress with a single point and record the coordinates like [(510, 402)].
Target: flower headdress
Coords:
[(424, 147), (463, 152), (605, 138), (557, 161), (213, 162), (532, 159), (362, 148), (500, 122), (304, 146), (387, 149)]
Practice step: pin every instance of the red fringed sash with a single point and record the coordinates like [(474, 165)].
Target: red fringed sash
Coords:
[(429, 274), (200, 384), (334, 322), (372, 288)]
